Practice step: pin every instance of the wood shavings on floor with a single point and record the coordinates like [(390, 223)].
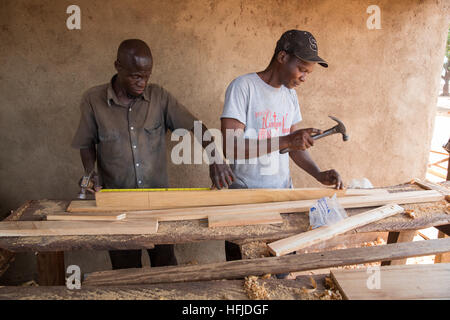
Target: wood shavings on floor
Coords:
[(254, 290)]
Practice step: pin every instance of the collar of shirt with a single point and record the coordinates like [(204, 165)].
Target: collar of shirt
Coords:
[(112, 97)]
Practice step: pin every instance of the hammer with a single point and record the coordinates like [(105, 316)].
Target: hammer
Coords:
[(85, 184), (339, 128)]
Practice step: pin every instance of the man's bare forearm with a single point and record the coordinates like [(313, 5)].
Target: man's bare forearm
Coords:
[(303, 159), (88, 158)]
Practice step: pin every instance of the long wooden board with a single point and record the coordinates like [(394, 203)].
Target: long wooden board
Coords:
[(306, 239), (281, 207), (127, 200), (272, 265), (71, 228), (430, 281), (432, 186), (244, 219), (83, 216)]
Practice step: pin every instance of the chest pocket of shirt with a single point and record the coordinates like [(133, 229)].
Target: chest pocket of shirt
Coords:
[(153, 134), (109, 144)]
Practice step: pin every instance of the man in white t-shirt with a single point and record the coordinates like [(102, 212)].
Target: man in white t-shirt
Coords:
[(262, 111)]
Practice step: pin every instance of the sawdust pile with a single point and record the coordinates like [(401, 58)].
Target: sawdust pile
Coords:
[(255, 249), (331, 292), (254, 290), (378, 242)]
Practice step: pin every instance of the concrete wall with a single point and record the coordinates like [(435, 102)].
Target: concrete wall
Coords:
[(382, 83)]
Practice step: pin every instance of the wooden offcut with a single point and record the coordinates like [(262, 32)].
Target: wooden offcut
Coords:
[(244, 219), (429, 281), (272, 265), (132, 200), (71, 228), (101, 216), (306, 239)]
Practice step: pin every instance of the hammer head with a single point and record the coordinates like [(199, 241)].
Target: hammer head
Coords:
[(340, 128)]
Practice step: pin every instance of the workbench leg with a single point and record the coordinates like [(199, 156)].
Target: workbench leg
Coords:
[(443, 257), (444, 229), (51, 271), (396, 237)]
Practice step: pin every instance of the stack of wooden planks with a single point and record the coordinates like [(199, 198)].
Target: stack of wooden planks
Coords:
[(138, 212)]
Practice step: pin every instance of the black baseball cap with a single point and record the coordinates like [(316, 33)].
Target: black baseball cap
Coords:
[(302, 44)]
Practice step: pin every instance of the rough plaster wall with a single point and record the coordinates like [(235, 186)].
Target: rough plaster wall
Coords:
[(382, 83)]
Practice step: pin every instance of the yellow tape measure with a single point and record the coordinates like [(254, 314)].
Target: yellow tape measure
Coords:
[(156, 189)]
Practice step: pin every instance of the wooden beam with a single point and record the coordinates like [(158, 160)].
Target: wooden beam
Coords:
[(306, 239), (396, 237), (83, 216), (204, 290), (132, 200), (244, 220), (432, 186), (436, 173), (66, 228), (431, 281), (273, 265)]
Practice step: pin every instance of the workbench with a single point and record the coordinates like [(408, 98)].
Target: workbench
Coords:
[(50, 249)]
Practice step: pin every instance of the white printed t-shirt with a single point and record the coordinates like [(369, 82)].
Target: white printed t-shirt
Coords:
[(266, 112)]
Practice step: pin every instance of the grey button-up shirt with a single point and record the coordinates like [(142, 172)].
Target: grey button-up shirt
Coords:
[(131, 146)]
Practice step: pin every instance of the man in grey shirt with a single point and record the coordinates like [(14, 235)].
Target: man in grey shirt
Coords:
[(123, 127), (262, 114)]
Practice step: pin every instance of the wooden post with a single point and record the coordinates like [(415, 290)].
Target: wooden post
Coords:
[(397, 237), (447, 147), (51, 270), (443, 257)]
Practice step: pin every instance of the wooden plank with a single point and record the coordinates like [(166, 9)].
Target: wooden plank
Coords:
[(432, 186), (262, 266), (281, 207), (6, 257), (90, 205), (427, 215), (64, 228), (244, 220), (279, 289), (431, 281), (83, 216), (131, 200), (436, 173), (396, 237), (306, 239)]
